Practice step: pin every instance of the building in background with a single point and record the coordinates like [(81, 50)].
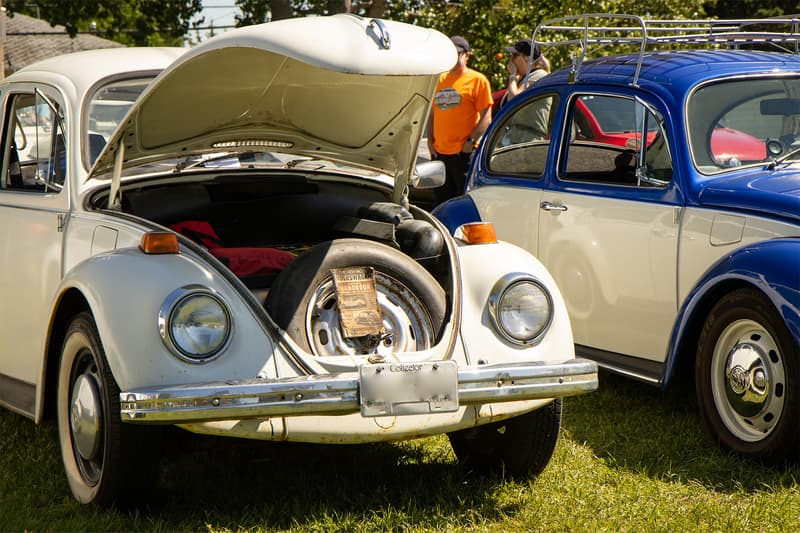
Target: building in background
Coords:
[(26, 40)]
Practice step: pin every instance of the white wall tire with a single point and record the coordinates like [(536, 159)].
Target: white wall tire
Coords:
[(106, 462)]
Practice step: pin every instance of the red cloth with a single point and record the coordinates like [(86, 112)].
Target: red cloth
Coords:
[(242, 261), (199, 231), (253, 261)]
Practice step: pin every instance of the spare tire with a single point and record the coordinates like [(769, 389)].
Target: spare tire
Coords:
[(303, 301)]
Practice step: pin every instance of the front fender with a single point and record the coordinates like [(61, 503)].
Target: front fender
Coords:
[(125, 290), (482, 265), (770, 266), (457, 211)]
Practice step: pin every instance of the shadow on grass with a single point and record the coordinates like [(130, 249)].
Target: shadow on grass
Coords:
[(634, 426), (235, 484), (294, 485)]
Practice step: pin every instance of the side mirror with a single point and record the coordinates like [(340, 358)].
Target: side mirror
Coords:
[(428, 175)]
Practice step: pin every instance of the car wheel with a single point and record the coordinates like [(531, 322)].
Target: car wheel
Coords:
[(303, 301), (106, 462), (746, 377), (518, 447)]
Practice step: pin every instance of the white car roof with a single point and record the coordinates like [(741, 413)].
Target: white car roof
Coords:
[(85, 69)]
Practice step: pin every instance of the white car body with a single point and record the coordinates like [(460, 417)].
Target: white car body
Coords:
[(68, 250)]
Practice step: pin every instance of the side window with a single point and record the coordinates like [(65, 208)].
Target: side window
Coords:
[(604, 145), (520, 144), (34, 148)]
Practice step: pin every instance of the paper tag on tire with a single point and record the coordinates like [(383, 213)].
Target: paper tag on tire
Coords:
[(357, 299)]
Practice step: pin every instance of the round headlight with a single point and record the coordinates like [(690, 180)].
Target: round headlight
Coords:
[(195, 324), (521, 308)]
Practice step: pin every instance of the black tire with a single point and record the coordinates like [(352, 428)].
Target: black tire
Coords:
[(519, 447), (302, 286), (746, 378), (106, 462)]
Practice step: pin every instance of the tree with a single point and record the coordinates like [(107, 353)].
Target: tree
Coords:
[(491, 25), (737, 9), (258, 11), (132, 22)]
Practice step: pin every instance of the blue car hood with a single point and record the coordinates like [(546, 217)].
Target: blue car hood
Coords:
[(770, 193)]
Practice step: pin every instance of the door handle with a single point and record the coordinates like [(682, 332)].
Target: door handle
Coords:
[(547, 206)]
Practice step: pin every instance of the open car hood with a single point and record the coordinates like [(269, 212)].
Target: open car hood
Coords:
[(342, 88)]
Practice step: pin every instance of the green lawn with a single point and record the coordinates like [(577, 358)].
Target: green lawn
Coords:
[(630, 458)]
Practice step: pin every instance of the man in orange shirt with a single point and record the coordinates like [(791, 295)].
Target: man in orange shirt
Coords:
[(462, 110)]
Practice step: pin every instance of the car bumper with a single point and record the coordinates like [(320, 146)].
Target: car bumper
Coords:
[(341, 393)]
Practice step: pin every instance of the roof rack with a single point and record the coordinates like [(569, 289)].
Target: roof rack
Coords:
[(604, 29)]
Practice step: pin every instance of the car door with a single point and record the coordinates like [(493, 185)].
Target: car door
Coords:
[(514, 170), (33, 204), (608, 231)]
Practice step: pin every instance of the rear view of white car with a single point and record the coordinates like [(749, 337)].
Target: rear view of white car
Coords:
[(215, 239)]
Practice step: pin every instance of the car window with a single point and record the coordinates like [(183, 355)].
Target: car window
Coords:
[(519, 146), (105, 109), (34, 147), (743, 121), (604, 143)]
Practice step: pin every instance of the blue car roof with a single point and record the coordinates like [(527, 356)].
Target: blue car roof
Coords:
[(675, 71)]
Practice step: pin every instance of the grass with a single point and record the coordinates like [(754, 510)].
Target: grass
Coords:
[(630, 458)]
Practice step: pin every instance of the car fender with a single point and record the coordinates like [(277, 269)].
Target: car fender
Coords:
[(457, 211), (479, 275), (771, 266), (125, 290)]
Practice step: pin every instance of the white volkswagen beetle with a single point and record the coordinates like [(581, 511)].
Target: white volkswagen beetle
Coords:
[(228, 247)]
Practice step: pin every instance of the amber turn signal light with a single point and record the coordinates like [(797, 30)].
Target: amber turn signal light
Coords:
[(479, 233), (159, 242)]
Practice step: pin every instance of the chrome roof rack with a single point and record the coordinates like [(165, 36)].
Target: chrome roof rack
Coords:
[(603, 29)]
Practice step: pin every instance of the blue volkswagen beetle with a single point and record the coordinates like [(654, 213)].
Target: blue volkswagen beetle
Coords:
[(662, 190)]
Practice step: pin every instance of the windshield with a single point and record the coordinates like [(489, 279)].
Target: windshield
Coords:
[(104, 112), (743, 122)]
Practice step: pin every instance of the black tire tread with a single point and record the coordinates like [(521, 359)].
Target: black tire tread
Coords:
[(519, 447), (783, 443)]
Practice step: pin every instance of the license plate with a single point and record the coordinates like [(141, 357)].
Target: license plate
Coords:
[(409, 388)]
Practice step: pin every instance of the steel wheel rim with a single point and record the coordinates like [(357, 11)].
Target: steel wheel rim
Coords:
[(86, 448), (405, 321), (748, 380)]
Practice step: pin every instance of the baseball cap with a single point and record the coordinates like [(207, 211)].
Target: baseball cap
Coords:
[(523, 47), (461, 43)]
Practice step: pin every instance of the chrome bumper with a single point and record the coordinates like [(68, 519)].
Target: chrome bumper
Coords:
[(340, 393)]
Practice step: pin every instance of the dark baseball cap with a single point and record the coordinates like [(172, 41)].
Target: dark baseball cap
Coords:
[(523, 47), (461, 43)]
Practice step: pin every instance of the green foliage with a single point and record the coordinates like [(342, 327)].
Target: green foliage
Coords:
[(258, 11), (131, 22), (751, 8), (490, 25), (253, 12)]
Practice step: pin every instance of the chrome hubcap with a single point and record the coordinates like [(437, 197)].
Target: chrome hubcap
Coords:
[(405, 322), (84, 416), (748, 380), (747, 384)]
